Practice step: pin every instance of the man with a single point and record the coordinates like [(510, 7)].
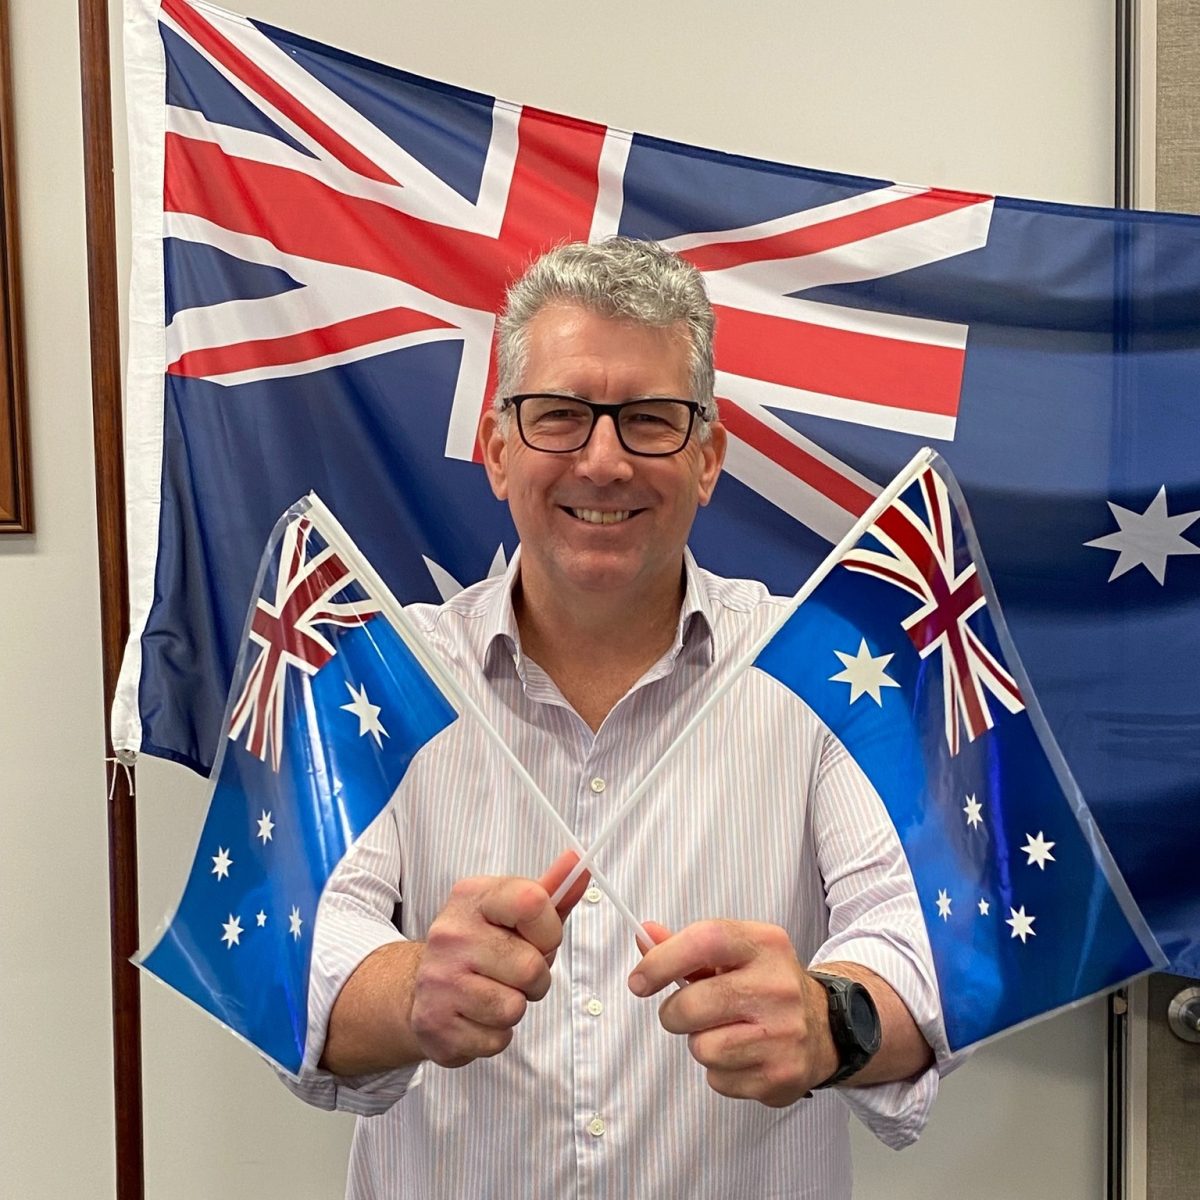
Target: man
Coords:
[(498, 1047)]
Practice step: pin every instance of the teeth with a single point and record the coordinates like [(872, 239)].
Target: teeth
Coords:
[(596, 517)]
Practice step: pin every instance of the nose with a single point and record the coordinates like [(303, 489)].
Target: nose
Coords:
[(604, 460)]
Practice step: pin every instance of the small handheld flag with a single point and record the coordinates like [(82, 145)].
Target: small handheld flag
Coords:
[(902, 651), (331, 702)]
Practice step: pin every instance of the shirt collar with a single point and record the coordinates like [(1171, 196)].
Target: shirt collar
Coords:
[(695, 627)]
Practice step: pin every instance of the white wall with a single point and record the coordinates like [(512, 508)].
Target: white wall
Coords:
[(1010, 98), (54, 1022)]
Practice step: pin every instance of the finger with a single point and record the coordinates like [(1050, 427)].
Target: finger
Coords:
[(514, 962), (734, 1047), (464, 1041), (523, 906), (706, 1004), (698, 951), (556, 872), (489, 1004)]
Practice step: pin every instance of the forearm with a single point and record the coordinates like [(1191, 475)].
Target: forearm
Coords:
[(903, 1052), (369, 1026)]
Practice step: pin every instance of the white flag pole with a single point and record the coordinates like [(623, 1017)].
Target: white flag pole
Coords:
[(907, 474), (340, 541)]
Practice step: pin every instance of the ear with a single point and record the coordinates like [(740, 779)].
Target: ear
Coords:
[(712, 458), (493, 446)]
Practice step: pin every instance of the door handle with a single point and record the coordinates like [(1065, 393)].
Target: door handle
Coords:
[(1183, 1014)]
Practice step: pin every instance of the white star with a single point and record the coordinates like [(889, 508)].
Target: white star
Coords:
[(233, 932), (265, 825), (1038, 850), (864, 674), (1147, 539), (943, 905), (261, 918), (973, 809), (366, 712), (294, 923), (221, 862), (984, 908), (448, 586), (1022, 926)]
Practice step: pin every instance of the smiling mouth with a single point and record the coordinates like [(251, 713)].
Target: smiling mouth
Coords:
[(596, 516)]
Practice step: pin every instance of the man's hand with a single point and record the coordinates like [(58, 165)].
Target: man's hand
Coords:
[(753, 1016), (487, 955)]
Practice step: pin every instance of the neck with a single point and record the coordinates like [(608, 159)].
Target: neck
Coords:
[(595, 646)]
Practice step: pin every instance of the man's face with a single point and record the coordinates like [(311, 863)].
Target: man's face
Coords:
[(557, 500)]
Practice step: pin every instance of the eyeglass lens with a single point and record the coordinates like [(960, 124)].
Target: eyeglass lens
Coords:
[(560, 423)]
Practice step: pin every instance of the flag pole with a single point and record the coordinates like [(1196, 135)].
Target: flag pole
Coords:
[(907, 474), (331, 529), (95, 79)]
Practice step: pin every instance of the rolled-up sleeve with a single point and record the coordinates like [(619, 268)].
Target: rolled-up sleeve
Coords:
[(353, 921), (875, 920)]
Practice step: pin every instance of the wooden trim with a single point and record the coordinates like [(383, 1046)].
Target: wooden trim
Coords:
[(16, 496), (95, 77)]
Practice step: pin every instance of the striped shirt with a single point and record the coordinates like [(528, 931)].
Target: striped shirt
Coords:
[(761, 816)]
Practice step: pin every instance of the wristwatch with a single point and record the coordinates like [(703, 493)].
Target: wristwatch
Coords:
[(854, 1023)]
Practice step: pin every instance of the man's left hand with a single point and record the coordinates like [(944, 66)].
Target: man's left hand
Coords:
[(753, 1016)]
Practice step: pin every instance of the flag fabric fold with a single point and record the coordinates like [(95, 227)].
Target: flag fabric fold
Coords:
[(331, 702), (903, 652), (320, 245)]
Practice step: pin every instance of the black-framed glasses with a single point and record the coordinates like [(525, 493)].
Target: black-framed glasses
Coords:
[(563, 424)]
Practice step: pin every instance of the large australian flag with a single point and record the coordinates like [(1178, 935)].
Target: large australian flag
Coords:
[(321, 244)]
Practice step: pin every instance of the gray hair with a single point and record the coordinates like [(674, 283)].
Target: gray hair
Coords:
[(624, 278)]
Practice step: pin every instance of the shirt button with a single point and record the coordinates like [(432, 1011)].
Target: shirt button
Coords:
[(594, 1007), (593, 894), (596, 1127), (598, 785)]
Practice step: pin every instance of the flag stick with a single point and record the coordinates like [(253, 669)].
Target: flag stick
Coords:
[(413, 638), (907, 474)]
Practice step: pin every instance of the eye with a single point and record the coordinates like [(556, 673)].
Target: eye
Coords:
[(644, 418), (554, 410)]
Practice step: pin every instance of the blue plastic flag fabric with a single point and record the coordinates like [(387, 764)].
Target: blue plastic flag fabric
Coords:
[(321, 244), (903, 652), (331, 703)]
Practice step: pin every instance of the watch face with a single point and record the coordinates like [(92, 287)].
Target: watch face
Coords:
[(863, 1020)]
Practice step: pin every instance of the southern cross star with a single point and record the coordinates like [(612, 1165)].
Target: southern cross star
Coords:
[(864, 674), (1147, 539), (233, 932), (221, 863), (1038, 850), (943, 904), (973, 809), (1022, 926)]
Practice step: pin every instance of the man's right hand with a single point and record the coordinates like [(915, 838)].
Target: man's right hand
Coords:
[(487, 955)]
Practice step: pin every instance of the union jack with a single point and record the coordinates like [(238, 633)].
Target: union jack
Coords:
[(389, 255), (285, 629), (918, 556)]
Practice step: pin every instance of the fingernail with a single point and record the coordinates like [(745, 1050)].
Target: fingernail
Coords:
[(637, 984)]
